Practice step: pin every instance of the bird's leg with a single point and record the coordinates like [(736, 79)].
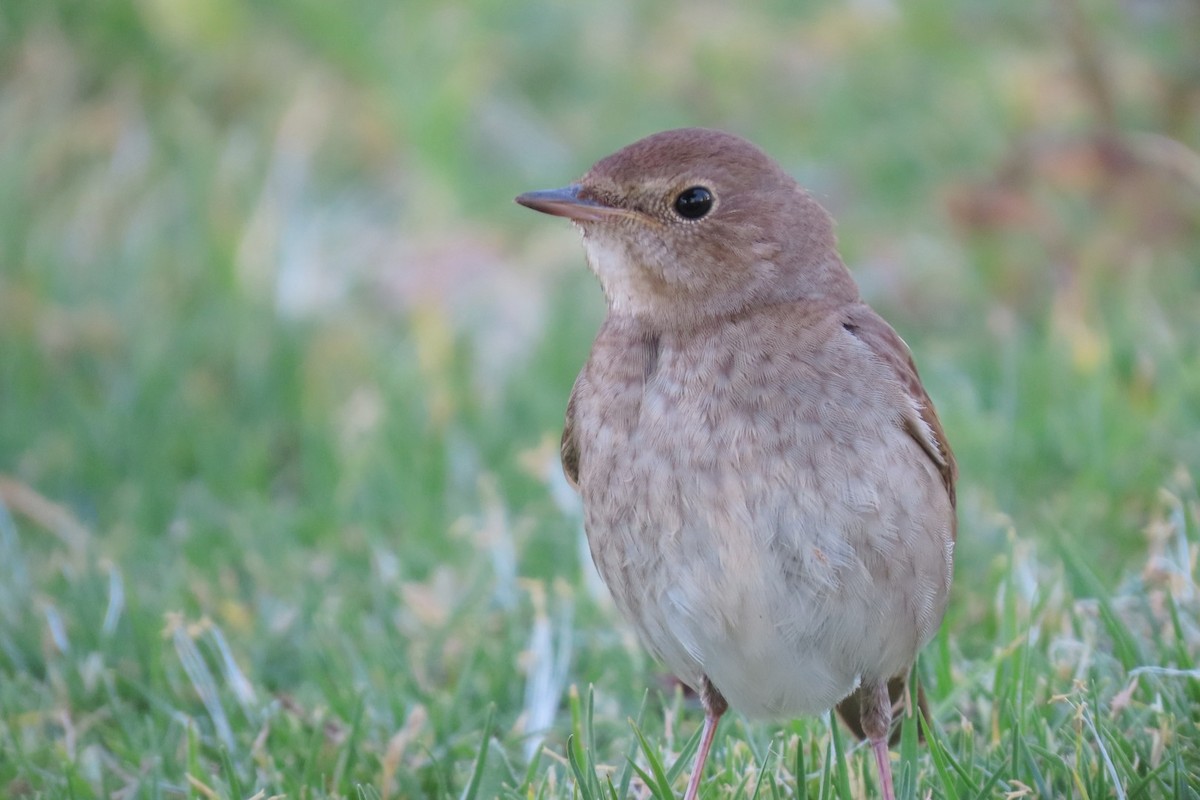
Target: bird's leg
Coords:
[(714, 706), (876, 723)]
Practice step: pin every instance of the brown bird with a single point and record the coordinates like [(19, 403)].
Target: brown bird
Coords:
[(767, 491)]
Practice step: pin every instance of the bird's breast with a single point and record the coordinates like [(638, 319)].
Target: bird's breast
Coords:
[(752, 507)]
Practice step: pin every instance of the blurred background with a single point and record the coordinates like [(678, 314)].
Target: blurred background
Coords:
[(283, 368)]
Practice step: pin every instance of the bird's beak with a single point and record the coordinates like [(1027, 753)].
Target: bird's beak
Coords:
[(566, 202)]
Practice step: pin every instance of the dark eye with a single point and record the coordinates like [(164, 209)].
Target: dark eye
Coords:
[(693, 203)]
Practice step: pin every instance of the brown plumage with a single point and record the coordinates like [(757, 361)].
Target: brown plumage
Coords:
[(768, 493)]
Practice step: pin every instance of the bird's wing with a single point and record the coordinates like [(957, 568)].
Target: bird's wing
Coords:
[(920, 420), (569, 448)]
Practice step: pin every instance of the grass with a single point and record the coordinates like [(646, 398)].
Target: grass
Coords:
[(283, 370)]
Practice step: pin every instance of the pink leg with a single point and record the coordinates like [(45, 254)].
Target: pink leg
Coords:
[(884, 762), (877, 724), (714, 707)]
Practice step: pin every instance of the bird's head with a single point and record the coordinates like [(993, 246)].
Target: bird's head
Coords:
[(692, 224)]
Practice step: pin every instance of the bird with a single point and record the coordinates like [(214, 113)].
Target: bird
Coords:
[(767, 490)]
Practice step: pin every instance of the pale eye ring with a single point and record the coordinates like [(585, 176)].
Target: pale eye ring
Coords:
[(694, 202)]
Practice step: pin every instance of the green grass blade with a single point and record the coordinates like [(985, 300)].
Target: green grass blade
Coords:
[(841, 765), (660, 784), (940, 759), (472, 788), (631, 753), (686, 755), (798, 769)]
